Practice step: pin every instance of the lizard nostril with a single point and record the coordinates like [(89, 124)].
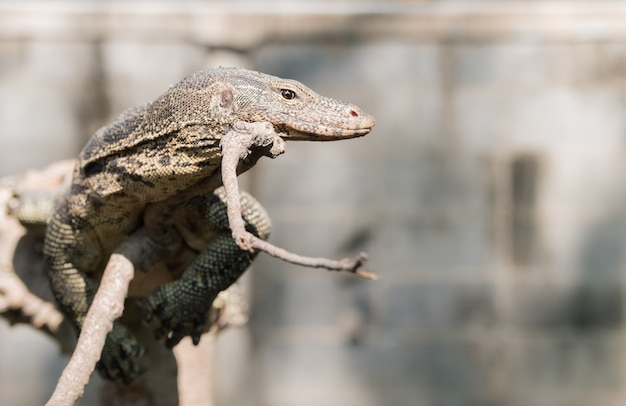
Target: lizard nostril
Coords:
[(354, 113)]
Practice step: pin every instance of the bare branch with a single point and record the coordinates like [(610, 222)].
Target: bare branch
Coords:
[(17, 303), (108, 305), (14, 295), (236, 145)]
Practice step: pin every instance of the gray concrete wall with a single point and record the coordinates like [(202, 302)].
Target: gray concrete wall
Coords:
[(489, 196)]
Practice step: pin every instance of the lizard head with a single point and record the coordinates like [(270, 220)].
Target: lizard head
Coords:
[(297, 112)]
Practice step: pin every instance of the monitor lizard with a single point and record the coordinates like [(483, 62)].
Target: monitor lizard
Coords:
[(169, 150)]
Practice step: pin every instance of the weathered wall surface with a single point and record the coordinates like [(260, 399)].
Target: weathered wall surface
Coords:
[(489, 196)]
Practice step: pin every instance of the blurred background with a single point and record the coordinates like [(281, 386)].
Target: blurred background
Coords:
[(490, 195)]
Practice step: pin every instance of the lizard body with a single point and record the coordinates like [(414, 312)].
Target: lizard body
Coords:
[(166, 151)]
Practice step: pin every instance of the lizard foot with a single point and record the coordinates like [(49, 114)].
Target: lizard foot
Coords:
[(173, 312), (117, 362)]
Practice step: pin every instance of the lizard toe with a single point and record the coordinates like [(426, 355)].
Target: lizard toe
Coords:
[(161, 332), (197, 333), (152, 306), (174, 338)]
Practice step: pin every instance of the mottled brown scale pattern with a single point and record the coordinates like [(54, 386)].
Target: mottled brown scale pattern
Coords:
[(152, 154)]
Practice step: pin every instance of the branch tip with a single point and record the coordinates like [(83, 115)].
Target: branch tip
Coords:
[(366, 275)]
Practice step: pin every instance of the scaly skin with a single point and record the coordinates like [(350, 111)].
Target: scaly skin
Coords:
[(153, 153)]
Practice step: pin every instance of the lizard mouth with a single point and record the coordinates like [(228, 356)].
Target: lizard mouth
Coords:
[(360, 125)]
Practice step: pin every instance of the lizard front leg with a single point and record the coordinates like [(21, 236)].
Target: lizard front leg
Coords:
[(181, 308)]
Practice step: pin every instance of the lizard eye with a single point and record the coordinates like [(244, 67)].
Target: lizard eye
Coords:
[(288, 94)]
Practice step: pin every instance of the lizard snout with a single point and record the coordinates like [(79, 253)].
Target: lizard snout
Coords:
[(362, 122)]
